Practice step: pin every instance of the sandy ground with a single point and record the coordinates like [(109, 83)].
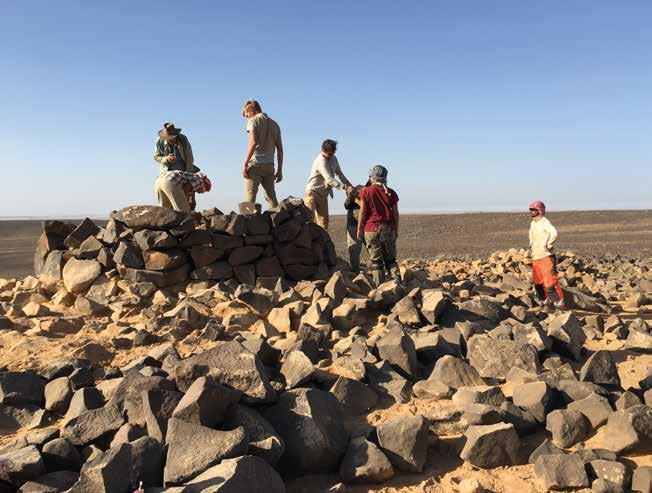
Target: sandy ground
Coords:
[(428, 235)]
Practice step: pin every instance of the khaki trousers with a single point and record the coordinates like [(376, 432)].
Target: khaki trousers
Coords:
[(318, 204), (261, 174), (171, 195)]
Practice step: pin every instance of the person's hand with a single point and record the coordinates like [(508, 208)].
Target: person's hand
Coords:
[(245, 171), (279, 176), (171, 158)]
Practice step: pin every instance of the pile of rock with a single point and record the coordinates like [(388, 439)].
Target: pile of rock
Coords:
[(249, 385), (165, 247)]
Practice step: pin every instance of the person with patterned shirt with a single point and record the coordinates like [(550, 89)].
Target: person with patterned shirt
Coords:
[(173, 152)]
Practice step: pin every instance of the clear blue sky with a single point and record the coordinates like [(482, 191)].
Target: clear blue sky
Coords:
[(472, 105)]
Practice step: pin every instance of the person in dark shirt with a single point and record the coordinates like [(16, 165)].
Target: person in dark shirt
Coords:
[(378, 225), (353, 244)]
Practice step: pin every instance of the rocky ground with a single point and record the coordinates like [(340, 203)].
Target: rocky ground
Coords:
[(454, 381), (425, 236)]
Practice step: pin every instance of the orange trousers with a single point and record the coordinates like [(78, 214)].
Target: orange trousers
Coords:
[(544, 273)]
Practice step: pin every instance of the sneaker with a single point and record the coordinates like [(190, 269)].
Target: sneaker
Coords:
[(559, 305)]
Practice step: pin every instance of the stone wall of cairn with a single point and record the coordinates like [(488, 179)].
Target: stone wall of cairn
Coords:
[(166, 247)]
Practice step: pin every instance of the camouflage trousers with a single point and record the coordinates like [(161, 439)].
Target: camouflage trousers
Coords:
[(381, 246)]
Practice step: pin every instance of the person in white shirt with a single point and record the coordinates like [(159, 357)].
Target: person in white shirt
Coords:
[(543, 236), (323, 178)]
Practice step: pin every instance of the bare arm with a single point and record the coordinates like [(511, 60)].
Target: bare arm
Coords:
[(552, 236), (361, 221), (279, 153), (250, 152)]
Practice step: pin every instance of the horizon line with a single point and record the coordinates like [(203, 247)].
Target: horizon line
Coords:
[(415, 212)]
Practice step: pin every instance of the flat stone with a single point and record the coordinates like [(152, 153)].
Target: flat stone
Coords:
[(139, 217)]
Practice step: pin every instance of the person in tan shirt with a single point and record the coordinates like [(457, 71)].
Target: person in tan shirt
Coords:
[(543, 236), (264, 141)]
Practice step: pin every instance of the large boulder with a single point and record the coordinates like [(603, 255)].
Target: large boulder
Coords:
[(78, 275), (490, 446), (561, 471), (405, 441), (21, 465), (264, 442), (193, 448), (92, 424), (494, 358), (364, 462), (206, 402), (455, 373), (238, 368), (106, 473), (628, 429), (397, 348), (310, 423), (567, 334), (18, 388), (600, 369)]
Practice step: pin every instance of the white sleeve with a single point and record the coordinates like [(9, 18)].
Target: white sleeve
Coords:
[(326, 173), (552, 235)]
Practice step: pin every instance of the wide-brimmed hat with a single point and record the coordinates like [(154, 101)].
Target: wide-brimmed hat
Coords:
[(169, 130)]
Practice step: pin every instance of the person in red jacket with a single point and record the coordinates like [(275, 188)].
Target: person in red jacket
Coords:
[(378, 222)]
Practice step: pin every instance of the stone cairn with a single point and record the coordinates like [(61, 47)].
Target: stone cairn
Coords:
[(165, 247), (251, 389)]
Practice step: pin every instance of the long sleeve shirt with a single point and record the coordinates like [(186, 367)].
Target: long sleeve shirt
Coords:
[(324, 174), (162, 149), (542, 238)]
